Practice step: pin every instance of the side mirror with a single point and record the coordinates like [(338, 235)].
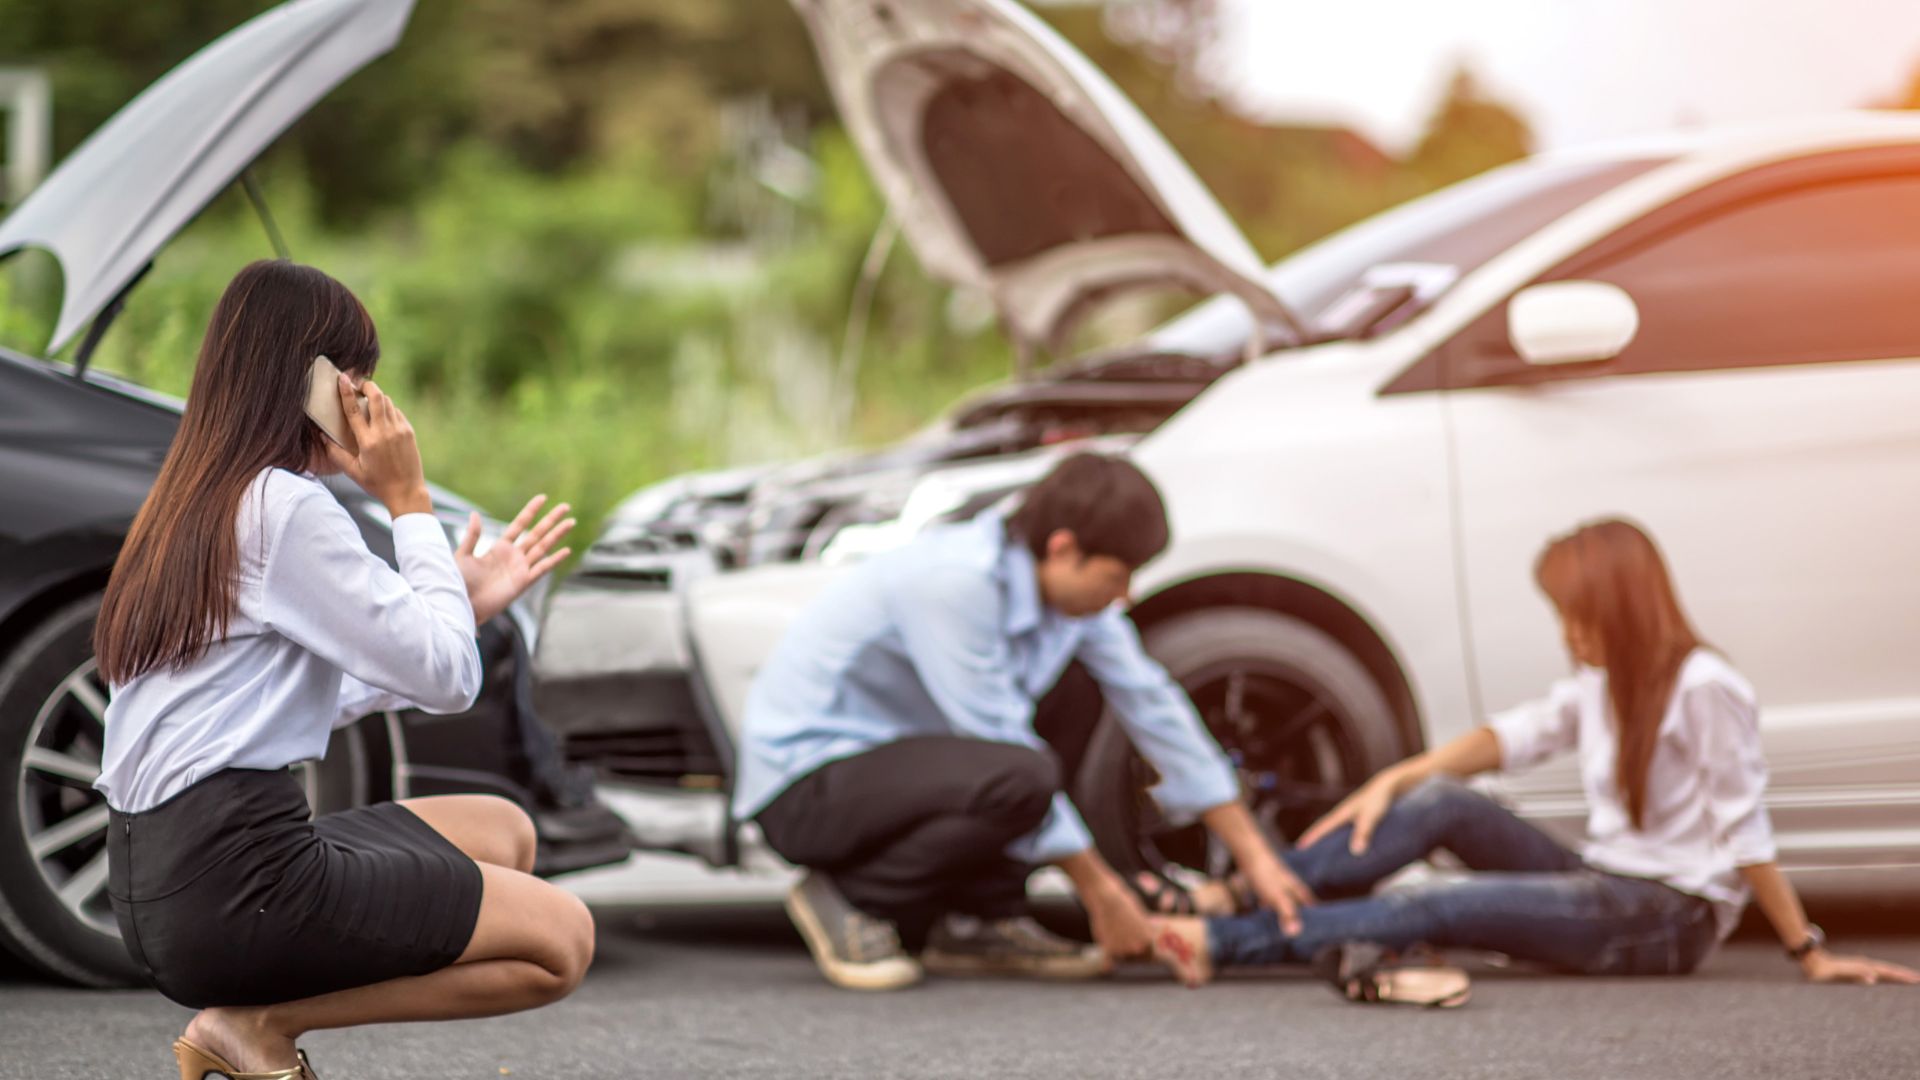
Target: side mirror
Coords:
[(1571, 322)]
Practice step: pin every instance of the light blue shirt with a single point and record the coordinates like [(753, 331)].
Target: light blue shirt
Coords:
[(948, 636)]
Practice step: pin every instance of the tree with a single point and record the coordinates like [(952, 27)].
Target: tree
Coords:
[(567, 79), (1179, 34), (1470, 133), (1285, 184), (367, 141), (551, 83)]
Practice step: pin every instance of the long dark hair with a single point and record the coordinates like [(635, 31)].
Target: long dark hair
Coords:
[(173, 588), (1609, 579)]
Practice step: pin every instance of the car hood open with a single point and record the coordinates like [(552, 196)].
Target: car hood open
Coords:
[(1016, 167), (123, 194)]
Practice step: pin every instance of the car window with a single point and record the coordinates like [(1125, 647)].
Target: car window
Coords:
[(1461, 227), (1822, 273), (1816, 266)]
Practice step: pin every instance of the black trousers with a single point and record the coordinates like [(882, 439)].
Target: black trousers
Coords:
[(919, 827)]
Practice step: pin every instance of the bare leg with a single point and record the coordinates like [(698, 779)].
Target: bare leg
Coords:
[(531, 946), (1181, 944), (487, 828)]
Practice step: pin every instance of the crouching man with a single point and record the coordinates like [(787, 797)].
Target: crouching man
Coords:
[(908, 741)]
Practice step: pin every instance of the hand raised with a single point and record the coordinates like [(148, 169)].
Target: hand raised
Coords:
[(510, 565)]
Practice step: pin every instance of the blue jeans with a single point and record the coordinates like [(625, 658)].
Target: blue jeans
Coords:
[(1530, 898)]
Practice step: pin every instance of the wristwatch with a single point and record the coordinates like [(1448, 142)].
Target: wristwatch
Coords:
[(1816, 939)]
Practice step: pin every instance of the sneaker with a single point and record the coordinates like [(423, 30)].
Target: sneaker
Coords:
[(965, 945), (855, 951)]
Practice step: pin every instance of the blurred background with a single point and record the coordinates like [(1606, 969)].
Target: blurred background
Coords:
[(607, 241)]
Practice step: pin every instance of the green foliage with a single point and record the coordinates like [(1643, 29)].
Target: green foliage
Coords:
[(550, 83), (573, 333), (1469, 134)]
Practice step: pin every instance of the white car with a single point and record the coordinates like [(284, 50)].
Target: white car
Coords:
[(1715, 333)]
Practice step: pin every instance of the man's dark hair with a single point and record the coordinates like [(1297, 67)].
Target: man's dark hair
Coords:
[(1107, 503)]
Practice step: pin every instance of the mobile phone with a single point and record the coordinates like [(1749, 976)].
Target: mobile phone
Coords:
[(323, 404)]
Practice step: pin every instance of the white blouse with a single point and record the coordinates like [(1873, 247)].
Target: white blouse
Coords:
[(1704, 816), (323, 632)]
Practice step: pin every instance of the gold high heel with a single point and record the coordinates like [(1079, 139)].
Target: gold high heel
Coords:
[(198, 1063)]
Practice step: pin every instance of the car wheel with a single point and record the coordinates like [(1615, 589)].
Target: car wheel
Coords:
[(1300, 717), (54, 910)]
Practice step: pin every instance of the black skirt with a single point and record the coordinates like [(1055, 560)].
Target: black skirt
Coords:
[(227, 894)]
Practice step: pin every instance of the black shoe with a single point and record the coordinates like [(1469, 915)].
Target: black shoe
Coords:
[(589, 824), (579, 838), (855, 951)]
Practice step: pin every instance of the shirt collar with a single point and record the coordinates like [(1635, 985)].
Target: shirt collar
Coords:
[(1016, 572)]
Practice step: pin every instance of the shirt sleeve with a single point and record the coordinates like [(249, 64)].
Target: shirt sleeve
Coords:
[(408, 634), (1531, 733), (949, 620), (357, 699), (1195, 774), (1726, 727)]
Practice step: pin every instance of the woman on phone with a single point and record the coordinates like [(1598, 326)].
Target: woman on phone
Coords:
[(246, 619), (1668, 738)]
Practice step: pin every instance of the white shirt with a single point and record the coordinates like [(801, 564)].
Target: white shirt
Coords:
[(1704, 816), (323, 632)]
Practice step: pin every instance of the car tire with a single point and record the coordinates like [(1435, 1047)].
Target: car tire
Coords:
[(50, 792), (50, 740), (1308, 725)]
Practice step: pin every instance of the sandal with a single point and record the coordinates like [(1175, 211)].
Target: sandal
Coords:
[(1365, 973), (198, 1063), (1164, 895)]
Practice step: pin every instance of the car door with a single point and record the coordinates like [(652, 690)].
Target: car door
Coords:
[(1762, 426)]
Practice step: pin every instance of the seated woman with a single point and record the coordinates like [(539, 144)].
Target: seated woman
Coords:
[(1678, 839)]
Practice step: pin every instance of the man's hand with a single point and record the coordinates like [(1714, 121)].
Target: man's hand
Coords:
[(1277, 887), (1271, 883), (1119, 920), (514, 562)]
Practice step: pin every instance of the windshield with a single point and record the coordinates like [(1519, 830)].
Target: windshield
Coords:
[(1462, 227)]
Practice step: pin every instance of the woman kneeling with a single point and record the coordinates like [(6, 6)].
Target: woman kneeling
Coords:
[(246, 619)]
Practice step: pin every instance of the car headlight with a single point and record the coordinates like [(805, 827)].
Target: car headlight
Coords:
[(928, 502)]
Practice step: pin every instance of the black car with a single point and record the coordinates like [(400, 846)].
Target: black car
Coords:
[(79, 450)]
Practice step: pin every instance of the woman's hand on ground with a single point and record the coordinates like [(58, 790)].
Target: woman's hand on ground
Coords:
[(1363, 810), (388, 464), (1119, 921), (510, 565), (1822, 966)]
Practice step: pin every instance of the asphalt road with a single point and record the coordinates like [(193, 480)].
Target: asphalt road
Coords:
[(731, 993)]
